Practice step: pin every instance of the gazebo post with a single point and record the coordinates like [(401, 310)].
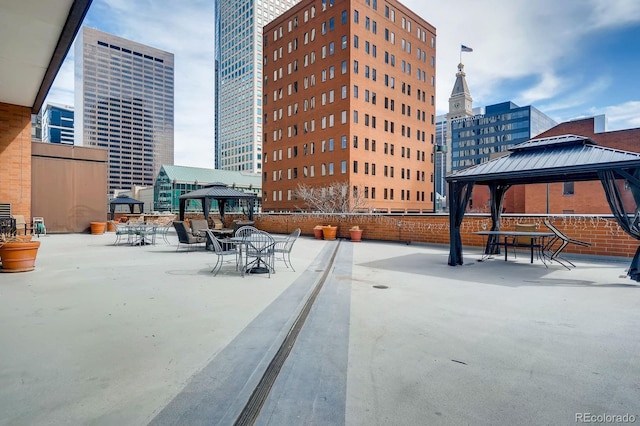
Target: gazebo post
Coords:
[(183, 203)]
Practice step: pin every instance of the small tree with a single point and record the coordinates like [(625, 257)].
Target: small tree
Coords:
[(337, 197)]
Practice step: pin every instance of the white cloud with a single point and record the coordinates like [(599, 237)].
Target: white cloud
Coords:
[(623, 116), (522, 44)]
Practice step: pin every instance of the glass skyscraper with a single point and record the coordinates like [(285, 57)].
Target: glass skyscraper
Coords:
[(238, 74), (57, 124), (125, 103), (475, 139)]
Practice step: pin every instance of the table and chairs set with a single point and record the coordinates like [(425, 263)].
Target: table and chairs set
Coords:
[(139, 233), (546, 245), (252, 250), (255, 251)]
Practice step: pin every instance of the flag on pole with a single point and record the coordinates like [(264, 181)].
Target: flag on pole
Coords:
[(465, 48)]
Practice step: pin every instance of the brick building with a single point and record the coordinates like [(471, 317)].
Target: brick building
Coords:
[(569, 197), (349, 96)]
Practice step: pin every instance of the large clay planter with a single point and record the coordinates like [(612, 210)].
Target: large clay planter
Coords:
[(317, 233), (19, 256), (329, 232), (356, 235), (111, 227), (97, 228)]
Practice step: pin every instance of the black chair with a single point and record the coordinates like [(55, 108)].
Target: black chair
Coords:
[(185, 236), (565, 241)]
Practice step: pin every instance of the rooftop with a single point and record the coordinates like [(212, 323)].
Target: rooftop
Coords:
[(109, 334)]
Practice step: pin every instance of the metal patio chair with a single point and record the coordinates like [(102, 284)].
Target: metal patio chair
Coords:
[(565, 241)]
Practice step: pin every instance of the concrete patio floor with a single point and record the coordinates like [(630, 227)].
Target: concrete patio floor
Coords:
[(102, 335)]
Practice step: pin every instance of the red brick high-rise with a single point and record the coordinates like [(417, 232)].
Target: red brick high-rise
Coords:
[(349, 96)]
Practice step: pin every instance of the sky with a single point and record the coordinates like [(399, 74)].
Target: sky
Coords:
[(568, 58)]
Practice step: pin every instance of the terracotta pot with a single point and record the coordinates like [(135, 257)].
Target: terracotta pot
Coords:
[(356, 235), (19, 256), (97, 228), (317, 233), (111, 227), (329, 232)]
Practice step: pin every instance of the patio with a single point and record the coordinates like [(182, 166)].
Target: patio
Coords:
[(107, 334)]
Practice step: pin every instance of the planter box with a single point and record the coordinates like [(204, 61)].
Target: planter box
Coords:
[(19, 256)]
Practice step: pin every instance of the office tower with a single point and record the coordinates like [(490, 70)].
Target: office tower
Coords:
[(238, 74), (125, 103), (349, 96), (478, 138), (57, 123)]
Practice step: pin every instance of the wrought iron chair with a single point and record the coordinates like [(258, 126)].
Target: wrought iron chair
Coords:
[(221, 249), (244, 231), (283, 248), (259, 252)]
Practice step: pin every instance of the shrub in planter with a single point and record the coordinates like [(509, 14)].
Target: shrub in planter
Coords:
[(17, 253), (355, 233)]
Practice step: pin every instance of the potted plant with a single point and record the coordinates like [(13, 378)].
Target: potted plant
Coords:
[(329, 232), (356, 233), (317, 232), (18, 252), (97, 228)]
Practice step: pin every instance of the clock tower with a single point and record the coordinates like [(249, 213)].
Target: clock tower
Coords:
[(460, 102), (460, 106)]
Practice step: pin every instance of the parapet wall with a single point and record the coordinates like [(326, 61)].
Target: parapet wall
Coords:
[(607, 238)]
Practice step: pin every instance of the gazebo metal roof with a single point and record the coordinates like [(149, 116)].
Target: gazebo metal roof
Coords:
[(217, 191), (124, 199), (565, 158)]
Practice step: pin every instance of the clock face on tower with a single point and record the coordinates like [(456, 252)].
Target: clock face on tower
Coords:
[(456, 106)]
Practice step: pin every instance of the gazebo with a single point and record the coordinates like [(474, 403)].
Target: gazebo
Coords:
[(124, 199), (221, 193), (565, 158)]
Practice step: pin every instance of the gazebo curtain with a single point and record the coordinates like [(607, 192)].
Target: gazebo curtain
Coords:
[(459, 192), (629, 225), (497, 199)]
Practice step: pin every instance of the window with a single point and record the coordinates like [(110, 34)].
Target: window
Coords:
[(567, 188), (343, 167)]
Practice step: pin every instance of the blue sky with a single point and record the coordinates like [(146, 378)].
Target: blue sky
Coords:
[(568, 58)]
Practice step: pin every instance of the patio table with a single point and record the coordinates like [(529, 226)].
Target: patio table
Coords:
[(259, 265), (145, 234), (537, 241)]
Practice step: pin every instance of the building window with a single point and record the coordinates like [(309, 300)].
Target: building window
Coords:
[(567, 188)]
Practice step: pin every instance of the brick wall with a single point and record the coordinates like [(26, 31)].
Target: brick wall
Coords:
[(607, 238), (15, 158)]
